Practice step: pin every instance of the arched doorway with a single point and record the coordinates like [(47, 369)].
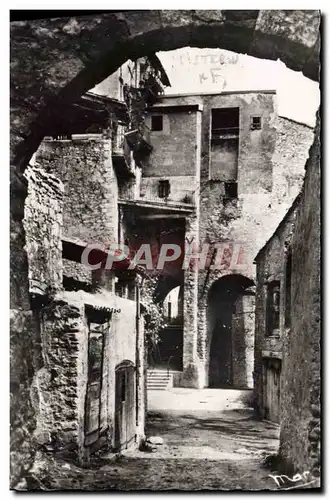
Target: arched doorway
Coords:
[(230, 317), (168, 352)]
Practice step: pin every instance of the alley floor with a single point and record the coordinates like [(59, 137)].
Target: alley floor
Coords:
[(212, 441)]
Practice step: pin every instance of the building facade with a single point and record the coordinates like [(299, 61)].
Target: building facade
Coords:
[(207, 173), (233, 167), (273, 315), (287, 333), (89, 390)]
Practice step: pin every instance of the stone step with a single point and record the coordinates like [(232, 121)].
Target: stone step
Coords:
[(159, 380)]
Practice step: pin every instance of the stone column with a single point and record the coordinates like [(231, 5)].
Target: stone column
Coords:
[(23, 333), (192, 365)]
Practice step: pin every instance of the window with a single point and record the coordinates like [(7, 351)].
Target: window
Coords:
[(225, 122), (163, 189), (156, 123), (273, 308), (255, 122), (288, 269), (224, 144), (231, 190)]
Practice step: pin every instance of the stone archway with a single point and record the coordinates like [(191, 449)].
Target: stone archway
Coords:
[(55, 61), (230, 319), (168, 352)]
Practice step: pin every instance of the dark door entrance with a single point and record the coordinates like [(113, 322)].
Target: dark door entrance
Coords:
[(272, 374), (220, 370), (168, 352), (125, 405), (96, 394)]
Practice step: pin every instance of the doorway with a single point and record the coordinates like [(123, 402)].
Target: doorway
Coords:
[(125, 428), (96, 394), (272, 378)]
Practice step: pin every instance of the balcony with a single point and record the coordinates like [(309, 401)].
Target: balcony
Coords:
[(139, 141), (121, 153)]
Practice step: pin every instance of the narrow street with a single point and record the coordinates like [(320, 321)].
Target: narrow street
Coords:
[(211, 441)]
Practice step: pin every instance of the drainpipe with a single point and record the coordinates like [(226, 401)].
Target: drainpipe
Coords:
[(137, 341)]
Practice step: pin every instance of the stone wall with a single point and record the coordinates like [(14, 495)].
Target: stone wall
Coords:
[(25, 353), (183, 189), (77, 272), (61, 381), (43, 221), (90, 186), (243, 341), (61, 384), (300, 429), (270, 266), (174, 147)]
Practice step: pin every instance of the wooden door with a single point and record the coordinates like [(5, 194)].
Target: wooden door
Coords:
[(125, 406), (96, 394), (272, 390)]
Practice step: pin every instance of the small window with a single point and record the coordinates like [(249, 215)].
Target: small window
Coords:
[(273, 308), (156, 123), (231, 190), (255, 122), (164, 189)]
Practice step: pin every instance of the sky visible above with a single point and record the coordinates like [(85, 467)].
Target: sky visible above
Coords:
[(193, 70)]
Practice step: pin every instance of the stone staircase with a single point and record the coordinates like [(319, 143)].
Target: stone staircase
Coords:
[(159, 380)]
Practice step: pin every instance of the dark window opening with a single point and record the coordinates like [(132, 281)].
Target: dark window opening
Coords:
[(123, 386), (169, 312), (231, 190), (73, 285), (255, 122), (156, 123), (164, 189), (225, 122), (288, 271), (273, 308)]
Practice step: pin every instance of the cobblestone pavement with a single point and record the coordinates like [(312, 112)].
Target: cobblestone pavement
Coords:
[(211, 441)]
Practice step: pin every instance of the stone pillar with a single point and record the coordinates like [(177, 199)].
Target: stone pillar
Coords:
[(23, 331), (192, 366)]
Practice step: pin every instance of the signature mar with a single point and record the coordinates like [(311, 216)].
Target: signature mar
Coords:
[(286, 483)]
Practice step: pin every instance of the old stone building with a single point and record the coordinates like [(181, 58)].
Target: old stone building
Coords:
[(273, 315), (287, 332), (54, 62), (90, 386), (232, 166)]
